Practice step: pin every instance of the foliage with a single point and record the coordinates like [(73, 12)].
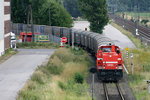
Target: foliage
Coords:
[(37, 76), (95, 11), (78, 78), (72, 7), (45, 12), (129, 5), (62, 85), (37, 45), (8, 53), (145, 21)]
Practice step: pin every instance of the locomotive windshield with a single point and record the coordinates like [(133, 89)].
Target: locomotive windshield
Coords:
[(106, 49)]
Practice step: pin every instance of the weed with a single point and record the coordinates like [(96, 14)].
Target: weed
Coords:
[(54, 69), (37, 45), (62, 85), (38, 77), (146, 68), (28, 95), (78, 78), (31, 85)]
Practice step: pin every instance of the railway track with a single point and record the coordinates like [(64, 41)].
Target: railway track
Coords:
[(106, 92), (143, 31)]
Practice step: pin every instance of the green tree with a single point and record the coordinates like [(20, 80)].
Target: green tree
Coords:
[(72, 7), (58, 15), (95, 11), (45, 12), (130, 5), (19, 11)]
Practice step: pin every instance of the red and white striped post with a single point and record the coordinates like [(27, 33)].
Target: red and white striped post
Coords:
[(62, 40)]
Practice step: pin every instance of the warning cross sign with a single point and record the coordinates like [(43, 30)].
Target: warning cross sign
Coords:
[(64, 39)]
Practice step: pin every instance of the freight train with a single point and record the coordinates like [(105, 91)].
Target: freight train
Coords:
[(109, 60), (109, 64)]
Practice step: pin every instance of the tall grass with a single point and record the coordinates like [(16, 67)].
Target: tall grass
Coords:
[(141, 63), (36, 45), (63, 78), (7, 55)]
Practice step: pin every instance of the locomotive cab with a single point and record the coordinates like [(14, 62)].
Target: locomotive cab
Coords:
[(109, 63)]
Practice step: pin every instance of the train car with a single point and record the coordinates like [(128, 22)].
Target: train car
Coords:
[(66, 33), (48, 29), (56, 31), (109, 63), (87, 39), (77, 37), (92, 41)]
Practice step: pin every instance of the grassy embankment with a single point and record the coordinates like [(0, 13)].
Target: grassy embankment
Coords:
[(62, 78), (7, 55), (141, 61), (38, 45)]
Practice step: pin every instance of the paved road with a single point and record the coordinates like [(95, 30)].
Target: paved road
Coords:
[(118, 38), (17, 70), (111, 32), (81, 25)]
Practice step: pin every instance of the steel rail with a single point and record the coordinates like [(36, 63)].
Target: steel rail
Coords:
[(105, 91), (120, 92)]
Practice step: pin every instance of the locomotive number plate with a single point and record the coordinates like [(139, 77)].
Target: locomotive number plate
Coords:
[(110, 65)]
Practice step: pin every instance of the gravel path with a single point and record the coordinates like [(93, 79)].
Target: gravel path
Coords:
[(17, 70)]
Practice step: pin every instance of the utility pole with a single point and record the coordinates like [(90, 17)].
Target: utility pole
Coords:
[(49, 16), (32, 27), (28, 13)]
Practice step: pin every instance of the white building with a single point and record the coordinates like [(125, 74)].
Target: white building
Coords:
[(4, 25)]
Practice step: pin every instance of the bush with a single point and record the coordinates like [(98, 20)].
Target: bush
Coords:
[(37, 45), (54, 69), (77, 51), (65, 55), (31, 85), (144, 21), (62, 85), (38, 77), (78, 78)]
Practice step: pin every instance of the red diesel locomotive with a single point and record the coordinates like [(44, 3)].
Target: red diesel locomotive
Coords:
[(109, 63)]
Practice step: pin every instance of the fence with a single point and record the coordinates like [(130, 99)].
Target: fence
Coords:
[(42, 29)]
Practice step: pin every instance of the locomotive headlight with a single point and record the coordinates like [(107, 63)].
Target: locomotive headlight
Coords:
[(104, 67), (116, 67), (119, 58)]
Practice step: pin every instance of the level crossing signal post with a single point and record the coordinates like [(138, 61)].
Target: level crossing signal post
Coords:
[(127, 55), (132, 67)]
